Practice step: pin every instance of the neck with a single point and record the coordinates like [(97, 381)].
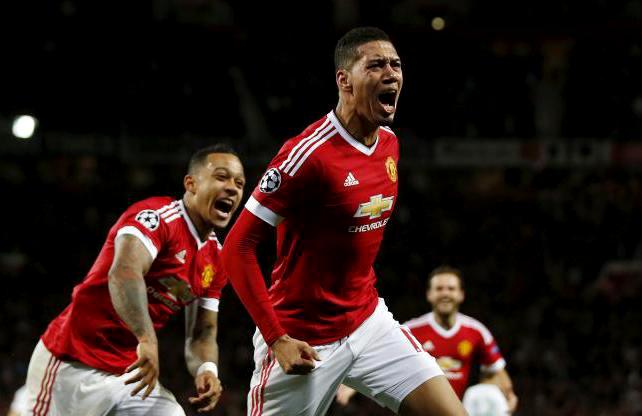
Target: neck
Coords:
[(362, 130), (446, 321), (202, 227)]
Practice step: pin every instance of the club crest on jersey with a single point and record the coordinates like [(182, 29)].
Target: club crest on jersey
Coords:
[(375, 207), (391, 168), (207, 276), (149, 219), (465, 348), (271, 181)]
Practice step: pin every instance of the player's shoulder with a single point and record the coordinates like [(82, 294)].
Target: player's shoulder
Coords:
[(475, 325), (303, 149), (419, 321), (386, 133), (154, 203), (150, 212)]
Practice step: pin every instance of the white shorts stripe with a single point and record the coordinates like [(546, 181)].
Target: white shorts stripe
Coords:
[(302, 142), (49, 389), (308, 142), (43, 384), (261, 392), (257, 388), (312, 149)]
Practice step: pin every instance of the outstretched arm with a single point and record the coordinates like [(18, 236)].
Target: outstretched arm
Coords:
[(201, 355), (128, 294), (242, 267)]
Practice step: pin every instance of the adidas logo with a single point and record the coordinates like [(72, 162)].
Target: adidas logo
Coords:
[(350, 180), (180, 256)]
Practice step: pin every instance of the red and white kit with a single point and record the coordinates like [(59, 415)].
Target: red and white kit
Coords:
[(330, 197), (89, 335), (456, 349)]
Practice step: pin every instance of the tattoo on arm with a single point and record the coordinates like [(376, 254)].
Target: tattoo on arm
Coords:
[(127, 287)]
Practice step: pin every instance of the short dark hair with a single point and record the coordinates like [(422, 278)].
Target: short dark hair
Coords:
[(446, 269), (199, 156), (345, 53)]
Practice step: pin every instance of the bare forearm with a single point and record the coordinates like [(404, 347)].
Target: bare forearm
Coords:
[(199, 351), (129, 297), (200, 342)]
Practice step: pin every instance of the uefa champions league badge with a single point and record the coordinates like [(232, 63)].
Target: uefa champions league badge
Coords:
[(271, 181), (149, 219)]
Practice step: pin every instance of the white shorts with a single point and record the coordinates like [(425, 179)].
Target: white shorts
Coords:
[(56, 387), (380, 359)]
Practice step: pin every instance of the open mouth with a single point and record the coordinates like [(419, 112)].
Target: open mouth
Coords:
[(224, 206), (388, 99)]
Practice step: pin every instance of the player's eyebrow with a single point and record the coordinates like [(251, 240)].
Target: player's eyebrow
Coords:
[(383, 59), (228, 172)]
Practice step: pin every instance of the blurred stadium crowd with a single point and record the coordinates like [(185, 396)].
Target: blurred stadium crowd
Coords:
[(552, 255)]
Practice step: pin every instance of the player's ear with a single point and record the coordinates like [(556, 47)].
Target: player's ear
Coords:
[(343, 81), (189, 182)]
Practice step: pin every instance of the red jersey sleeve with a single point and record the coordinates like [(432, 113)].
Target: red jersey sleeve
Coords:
[(144, 223), (491, 359), (282, 186)]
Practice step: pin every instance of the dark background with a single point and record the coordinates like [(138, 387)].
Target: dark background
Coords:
[(520, 125)]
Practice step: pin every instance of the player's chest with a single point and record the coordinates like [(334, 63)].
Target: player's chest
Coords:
[(360, 190), (184, 272), (460, 348)]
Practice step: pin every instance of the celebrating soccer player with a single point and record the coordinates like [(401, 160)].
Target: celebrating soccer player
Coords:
[(100, 355), (330, 192), (457, 341)]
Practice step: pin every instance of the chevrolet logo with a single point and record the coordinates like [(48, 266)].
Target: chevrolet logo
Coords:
[(375, 207)]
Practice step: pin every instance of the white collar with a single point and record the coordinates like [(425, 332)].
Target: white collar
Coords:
[(192, 228), (348, 137), (446, 333)]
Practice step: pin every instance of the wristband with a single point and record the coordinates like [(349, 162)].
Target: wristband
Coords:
[(207, 366)]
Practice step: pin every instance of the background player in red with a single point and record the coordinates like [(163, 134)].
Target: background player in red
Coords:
[(100, 355), (330, 192), (456, 340)]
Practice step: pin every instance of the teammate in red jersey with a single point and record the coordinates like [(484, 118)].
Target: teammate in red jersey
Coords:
[(456, 340), (330, 192), (100, 355)]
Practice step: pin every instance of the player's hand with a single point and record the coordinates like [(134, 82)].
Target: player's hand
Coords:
[(209, 390), (344, 394), (294, 356), (148, 368)]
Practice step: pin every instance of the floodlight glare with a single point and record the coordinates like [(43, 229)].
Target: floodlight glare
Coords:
[(438, 23), (24, 126)]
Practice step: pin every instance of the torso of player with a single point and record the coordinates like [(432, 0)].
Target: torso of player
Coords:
[(332, 228), (184, 269), (455, 349)]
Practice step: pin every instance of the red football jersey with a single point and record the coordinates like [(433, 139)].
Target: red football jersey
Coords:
[(330, 197), (458, 348), (184, 268)]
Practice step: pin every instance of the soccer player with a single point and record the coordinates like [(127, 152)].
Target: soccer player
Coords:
[(100, 355), (456, 340), (330, 192)]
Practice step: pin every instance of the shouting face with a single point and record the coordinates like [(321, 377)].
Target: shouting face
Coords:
[(376, 81), (217, 188)]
